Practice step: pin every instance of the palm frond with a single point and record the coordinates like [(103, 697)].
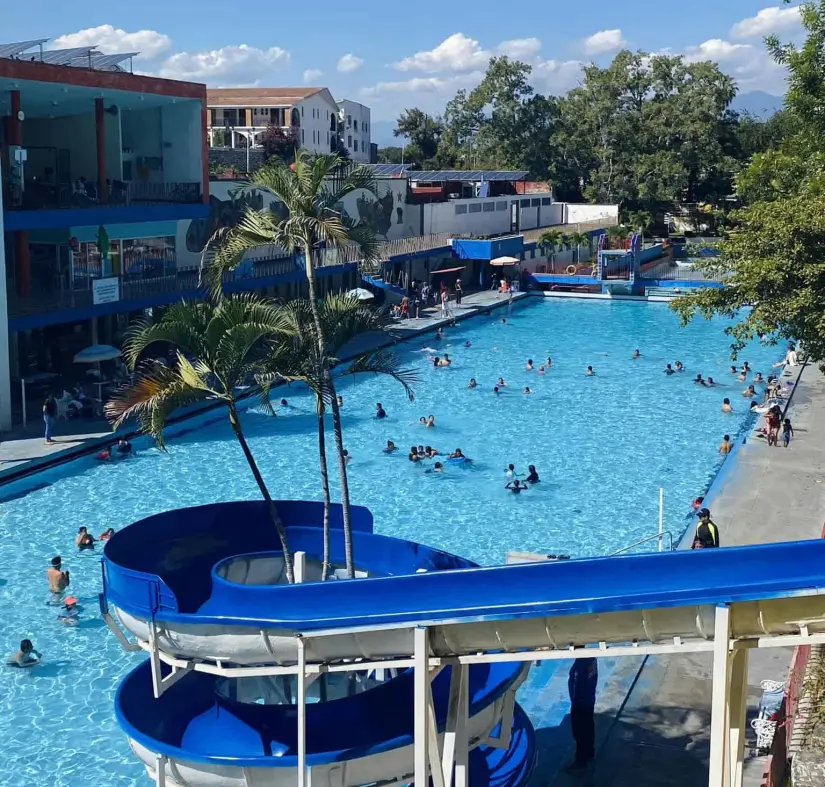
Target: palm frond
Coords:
[(384, 362), (368, 243), (181, 326), (357, 178)]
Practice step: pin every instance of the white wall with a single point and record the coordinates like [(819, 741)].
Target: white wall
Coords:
[(141, 130), (76, 133), (354, 115), (5, 362), (182, 142), (315, 133), (462, 216), (576, 214)]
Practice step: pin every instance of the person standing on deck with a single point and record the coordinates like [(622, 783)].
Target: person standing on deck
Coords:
[(581, 685), (707, 534), (458, 292)]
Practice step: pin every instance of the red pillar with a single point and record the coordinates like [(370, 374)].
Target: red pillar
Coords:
[(205, 153), (100, 125)]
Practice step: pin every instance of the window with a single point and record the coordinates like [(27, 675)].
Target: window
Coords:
[(546, 200), (355, 125), (302, 111), (349, 120), (355, 146), (460, 210), (536, 202), (525, 203), (327, 137), (349, 140), (501, 206), (148, 256), (489, 207), (327, 114), (303, 135), (475, 207)]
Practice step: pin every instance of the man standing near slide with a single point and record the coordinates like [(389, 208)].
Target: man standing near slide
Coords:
[(584, 676)]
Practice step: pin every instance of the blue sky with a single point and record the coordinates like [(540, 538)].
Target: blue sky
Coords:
[(390, 56)]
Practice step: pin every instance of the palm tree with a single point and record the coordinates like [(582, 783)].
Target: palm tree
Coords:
[(344, 319), (614, 235), (218, 348), (551, 240), (311, 190), (575, 240)]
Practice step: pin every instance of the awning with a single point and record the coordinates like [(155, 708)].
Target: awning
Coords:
[(505, 261), (449, 270)]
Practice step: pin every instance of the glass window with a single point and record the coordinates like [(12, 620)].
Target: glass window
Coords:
[(535, 202), (349, 140), (546, 200), (525, 203), (460, 210), (349, 120), (303, 135), (489, 207), (355, 146), (355, 125), (302, 111), (475, 207), (501, 206), (149, 257)]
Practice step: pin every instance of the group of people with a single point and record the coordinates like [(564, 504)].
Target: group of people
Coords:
[(423, 296)]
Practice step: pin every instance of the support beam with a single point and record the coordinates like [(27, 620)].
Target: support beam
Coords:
[(738, 708), (160, 770), (302, 713), (455, 753), (207, 143), (421, 689), (100, 129), (719, 769)]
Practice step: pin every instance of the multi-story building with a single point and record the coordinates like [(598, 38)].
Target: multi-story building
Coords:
[(238, 116), (354, 124)]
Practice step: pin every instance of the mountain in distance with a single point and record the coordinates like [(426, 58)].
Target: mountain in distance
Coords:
[(757, 103), (381, 134)]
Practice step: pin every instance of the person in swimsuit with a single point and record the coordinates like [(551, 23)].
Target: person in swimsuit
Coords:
[(669, 370), (774, 419), (532, 476), (709, 382), (516, 486), (27, 656), (380, 412), (787, 431), (431, 422), (590, 372), (726, 406), (340, 402), (749, 392), (529, 366), (457, 454), (501, 382), (495, 390), (541, 370), (680, 367), (105, 536), (84, 539), (699, 380), (726, 446), (636, 354), (414, 457), (549, 363), (69, 616), (473, 383), (390, 447), (58, 579), (527, 390), (511, 470)]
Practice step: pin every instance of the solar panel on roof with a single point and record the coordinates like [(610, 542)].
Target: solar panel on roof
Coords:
[(466, 176), (18, 47), (388, 170), (62, 57), (100, 61)]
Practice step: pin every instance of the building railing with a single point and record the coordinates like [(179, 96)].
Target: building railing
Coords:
[(48, 196), (670, 271)]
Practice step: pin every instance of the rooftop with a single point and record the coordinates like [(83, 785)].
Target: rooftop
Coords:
[(259, 96), (32, 51)]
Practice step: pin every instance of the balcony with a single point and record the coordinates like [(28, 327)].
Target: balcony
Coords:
[(45, 196)]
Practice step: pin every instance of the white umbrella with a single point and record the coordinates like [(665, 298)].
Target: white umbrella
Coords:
[(505, 261), (97, 353), (361, 294)]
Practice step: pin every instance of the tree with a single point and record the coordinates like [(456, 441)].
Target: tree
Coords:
[(313, 222), (575, 240), (391, 155), (551, 241), (424, 133), (280, 143), (344, 319), (218, 348)]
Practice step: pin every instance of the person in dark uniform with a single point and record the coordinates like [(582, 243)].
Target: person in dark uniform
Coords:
[(707, 534), (581, 684)]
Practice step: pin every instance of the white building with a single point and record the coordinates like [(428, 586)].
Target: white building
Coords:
[(236, 117), (354, 119)]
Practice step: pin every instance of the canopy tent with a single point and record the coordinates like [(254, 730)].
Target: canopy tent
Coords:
[(505, 261), (448, 270)]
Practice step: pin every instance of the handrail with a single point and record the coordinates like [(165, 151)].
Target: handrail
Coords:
[(644, 540)]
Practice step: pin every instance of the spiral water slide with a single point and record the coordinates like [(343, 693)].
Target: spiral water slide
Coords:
[(409, 672)]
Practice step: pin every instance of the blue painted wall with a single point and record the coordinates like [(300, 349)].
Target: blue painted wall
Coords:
[(474, 249), (16, 220)]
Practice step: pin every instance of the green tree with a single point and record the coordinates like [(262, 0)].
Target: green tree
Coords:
[(345, 319), (313, 222), (550, 241), (575, 240), (424, 133), (218, 348), (391, 155)]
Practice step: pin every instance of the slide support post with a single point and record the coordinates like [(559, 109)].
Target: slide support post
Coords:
[(302, 713), (456, 744), (738, 714), (422, 703), (719, 770)]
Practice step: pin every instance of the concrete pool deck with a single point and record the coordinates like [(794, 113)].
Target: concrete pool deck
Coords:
[(658, 734), (21, 449)]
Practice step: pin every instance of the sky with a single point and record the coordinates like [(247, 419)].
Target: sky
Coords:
[(391, 56)]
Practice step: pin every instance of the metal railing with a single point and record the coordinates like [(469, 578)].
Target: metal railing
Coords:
[(47, 196), (669, 271), (655, 537)]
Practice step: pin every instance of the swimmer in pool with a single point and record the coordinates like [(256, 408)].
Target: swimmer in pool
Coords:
[(501, 383), (516, 486), (532, 475), (733, 370), (422, 420), (347, 457), (431, 452), (421, 451), (636, 354), (84, 540), (726, 446), (527, 389), (710, 383), (746, 368), (726, 406), (436, 468), (414, 457), (106, 535), (436, 361), (549, 363), (699, 380), (468, 344), (431, 422), (529, 366), (590, 372), (284, 403), (69, 616), (749, 392), (541, 370), (504, 321), (380, 412), (759, 378), (439, 334), (743, 375), (340, 401), (511, 470), (473, 383), (457, 454), (27, 656), (680, 367), (446, 360), (669, 370), (390, 447), (495, 390), (58, 579)]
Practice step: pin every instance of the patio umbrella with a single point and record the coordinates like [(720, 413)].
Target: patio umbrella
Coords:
[(361, 294), (96, 353), (505, 261)]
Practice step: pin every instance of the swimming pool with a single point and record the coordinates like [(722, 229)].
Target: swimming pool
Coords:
[(603, 446)]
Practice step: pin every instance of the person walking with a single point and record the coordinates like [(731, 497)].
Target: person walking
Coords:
[(458, 292), (445, 306), (581, 685), (49, 414)]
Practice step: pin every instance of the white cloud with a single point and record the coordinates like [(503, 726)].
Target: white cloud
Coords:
[(524, 49), (768, 20), (604, 41), (112, 40), (751, 66), (227, 66), (311, 74), (556, 77), (717, 50), (431, 85), (349, 63), (455, 53)]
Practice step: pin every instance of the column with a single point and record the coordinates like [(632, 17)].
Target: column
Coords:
[(207, 142), (5, 361), (21, 240), (100, 127)]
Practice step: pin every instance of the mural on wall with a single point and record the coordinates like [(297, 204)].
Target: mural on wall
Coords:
[(228, 200)]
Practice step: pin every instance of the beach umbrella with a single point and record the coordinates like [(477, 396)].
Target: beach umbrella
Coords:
[(361, 294), (97, 353)]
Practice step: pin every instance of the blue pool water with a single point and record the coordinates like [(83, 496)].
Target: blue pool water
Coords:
[(603, 446)]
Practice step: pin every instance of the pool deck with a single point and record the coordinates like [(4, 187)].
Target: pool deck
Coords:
[(20, 449), (658, 734)]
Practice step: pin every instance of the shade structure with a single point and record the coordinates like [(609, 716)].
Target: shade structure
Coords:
[(97, 353), (505, 261), (361, 294), (448, 270)]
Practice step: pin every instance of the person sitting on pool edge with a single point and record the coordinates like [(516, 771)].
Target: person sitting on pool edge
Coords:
[(390, 447), (516, 486), (27, 656), (84, 539)]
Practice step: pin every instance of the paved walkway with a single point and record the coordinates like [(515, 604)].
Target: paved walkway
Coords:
[(19, 448), (660, 737)]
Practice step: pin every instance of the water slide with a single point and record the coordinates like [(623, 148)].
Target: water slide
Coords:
[(215, 706)]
